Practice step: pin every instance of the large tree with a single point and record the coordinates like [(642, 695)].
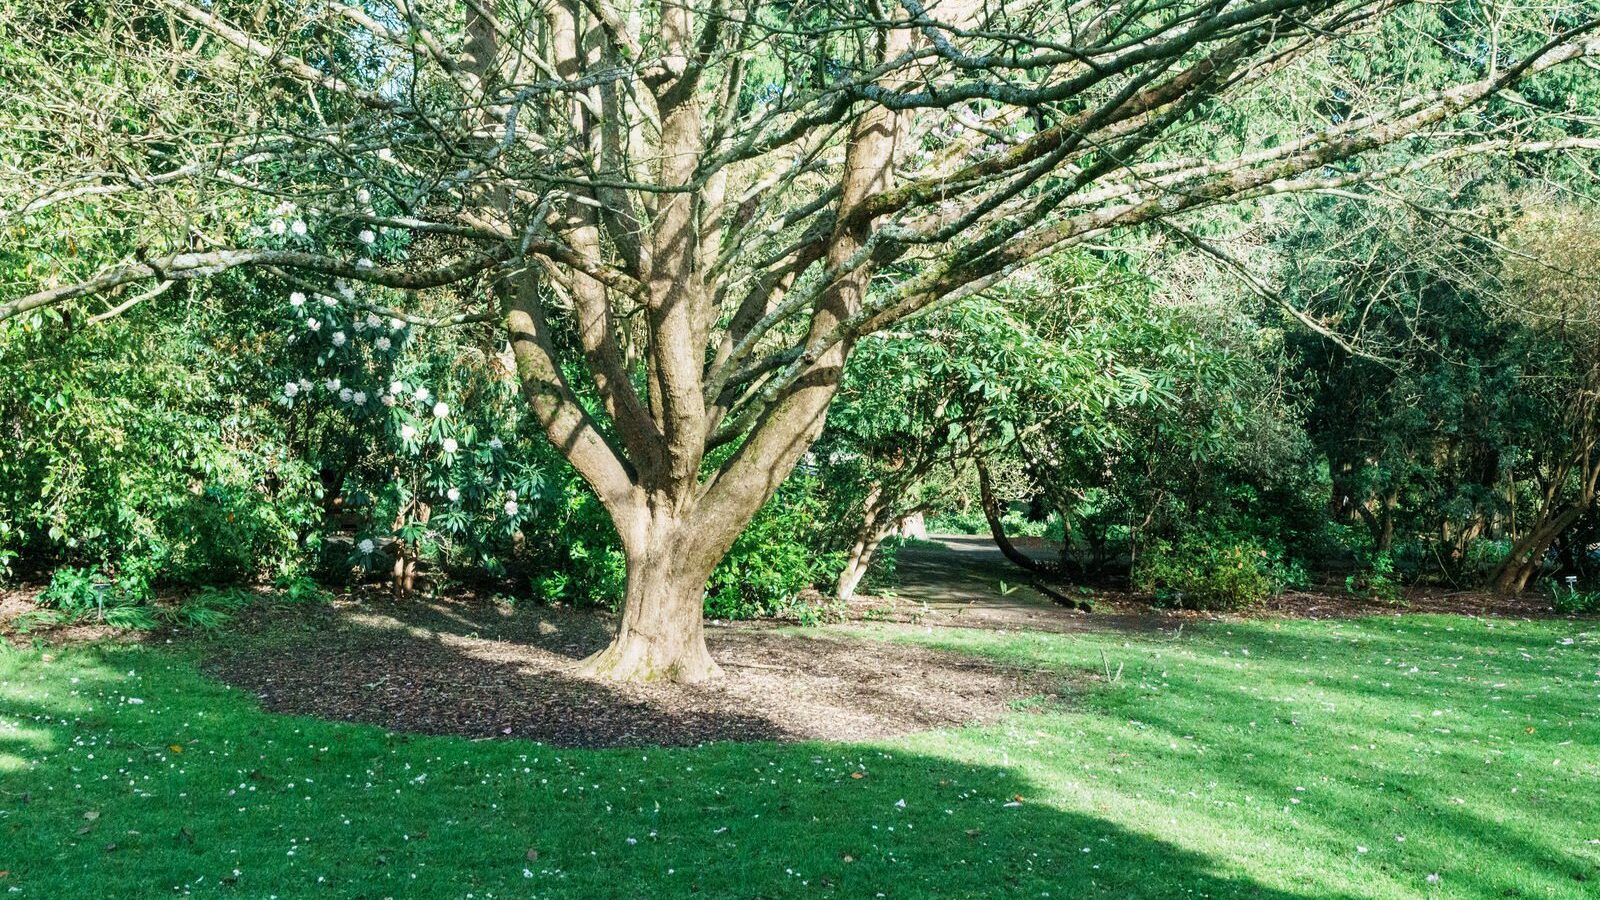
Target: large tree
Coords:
[(686, 214)]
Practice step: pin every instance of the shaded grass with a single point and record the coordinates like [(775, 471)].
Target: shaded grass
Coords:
[(1448, 746)]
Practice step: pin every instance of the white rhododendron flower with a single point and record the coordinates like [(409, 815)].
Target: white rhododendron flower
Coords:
[(332, 384), (453, 495), (299, 227), (382, 343), (397, 387), (386, 154), (346, 395), (363, 196), (344, 288), (373, 321), (397, 324), (367, 236), (290, 389), (329, 302), (359, 326), (297, 299), (339, 339), (278, 227), (359, 398), (450, 445), (305, 384), (496, 444), (511, 507), (422, 395), (511, 495), (366, 546), (408, 433), (313, 324), (440, 410), (363, 263), (387, 399)]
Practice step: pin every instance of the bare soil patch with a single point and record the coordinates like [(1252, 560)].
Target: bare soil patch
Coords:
[(477, 668)]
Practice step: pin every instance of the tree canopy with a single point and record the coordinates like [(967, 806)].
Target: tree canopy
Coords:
[(674, 226)]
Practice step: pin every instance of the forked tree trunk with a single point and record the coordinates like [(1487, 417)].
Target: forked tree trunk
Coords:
[(661, 636), (859, 561), (1527, 554), (868, 536)]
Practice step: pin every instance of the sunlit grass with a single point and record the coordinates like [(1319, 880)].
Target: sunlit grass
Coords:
[(1377, 758)]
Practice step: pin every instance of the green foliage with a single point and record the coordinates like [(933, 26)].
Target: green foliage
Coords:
[(75, 591), (1376, 578), (298, 589), (1574, 600), (1214, 569), (75, 594), (773, 560), (132, 450)]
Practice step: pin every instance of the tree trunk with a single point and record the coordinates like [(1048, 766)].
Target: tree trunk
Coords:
[(868, 536), (860, 560), (661, 636), (994, 513), (1527, 554)]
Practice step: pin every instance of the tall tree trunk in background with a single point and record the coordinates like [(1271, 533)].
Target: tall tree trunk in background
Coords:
[(1554, 517), (874, 527), (994, 513)]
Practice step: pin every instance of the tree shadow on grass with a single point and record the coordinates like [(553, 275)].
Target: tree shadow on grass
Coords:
[(257, 804), (1450, 746)]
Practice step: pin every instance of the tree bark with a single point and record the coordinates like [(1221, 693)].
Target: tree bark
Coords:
[(994, 514), (1527, 554), (855, 568), (661, 636), (868, 537)]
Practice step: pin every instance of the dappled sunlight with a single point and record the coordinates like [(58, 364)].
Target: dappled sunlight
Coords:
[(1399, 748), (194, 789), (1377, 757)]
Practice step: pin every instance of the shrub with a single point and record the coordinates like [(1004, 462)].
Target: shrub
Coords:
[(1573, 601), (76, 593), (1375, 578), (1212, 571), (774, 559), (301, 589)]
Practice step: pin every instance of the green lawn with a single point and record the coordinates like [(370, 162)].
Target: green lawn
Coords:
[(1391, 757)]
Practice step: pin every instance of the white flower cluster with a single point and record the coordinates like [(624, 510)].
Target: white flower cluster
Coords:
[(280, 220)]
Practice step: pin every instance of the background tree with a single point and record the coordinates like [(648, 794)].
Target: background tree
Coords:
[(686, 215)]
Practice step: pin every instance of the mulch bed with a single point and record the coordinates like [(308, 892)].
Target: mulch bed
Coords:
[(476, 668), (469, 666)]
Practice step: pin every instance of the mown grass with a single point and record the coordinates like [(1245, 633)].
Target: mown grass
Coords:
[(1386, 757)]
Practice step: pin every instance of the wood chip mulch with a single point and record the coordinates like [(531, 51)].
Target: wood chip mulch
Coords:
[(480, 669)]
